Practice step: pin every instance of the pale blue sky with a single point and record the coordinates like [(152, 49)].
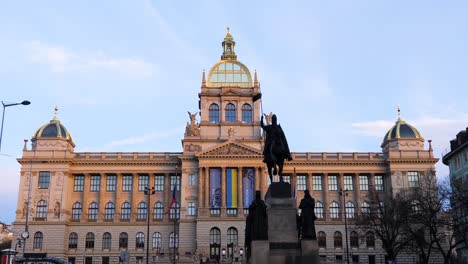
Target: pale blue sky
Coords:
[(124, 73)]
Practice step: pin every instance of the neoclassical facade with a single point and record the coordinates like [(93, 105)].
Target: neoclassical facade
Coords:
[(89, 207)]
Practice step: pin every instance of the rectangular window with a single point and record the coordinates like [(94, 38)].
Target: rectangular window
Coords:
[(175, 180), (317, 182), (301, 182), (111, 184), (332, 183), (95, 183), (413, 179), (191, 180), (79, 183), (142, 182), (44, 179), (191, 209), (379, 183), (159, 183), (348, 182), (287, 178), (363, 183), (127, 183)]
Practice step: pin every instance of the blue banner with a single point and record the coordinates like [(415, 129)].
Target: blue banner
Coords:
[(248, 184), (215, 188)]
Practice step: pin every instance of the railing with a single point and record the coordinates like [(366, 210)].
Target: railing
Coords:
[(127, 155), (320, 156)]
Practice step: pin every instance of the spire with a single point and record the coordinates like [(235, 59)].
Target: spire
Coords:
[(203, 79), (228, 47), (255, 79), (399, 116), (55, 112)]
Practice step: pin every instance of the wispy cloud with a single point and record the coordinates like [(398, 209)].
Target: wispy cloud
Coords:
[(144, 139), (62, 60)]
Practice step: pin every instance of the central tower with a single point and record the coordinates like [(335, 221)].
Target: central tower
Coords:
[(227, 108)]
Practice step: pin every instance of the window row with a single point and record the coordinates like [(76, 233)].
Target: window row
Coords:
[(127, 182), (156, 241), (338, 239), (230, 113), (349, 182), (126, 211)]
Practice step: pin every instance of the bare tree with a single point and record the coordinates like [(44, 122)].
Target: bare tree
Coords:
[(385, 217), (430, 222)]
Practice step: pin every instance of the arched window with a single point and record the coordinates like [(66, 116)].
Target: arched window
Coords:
[(322, 239), (72, 240), (76, 211), (350, 210), (215, 243), (109, 211), (232, 239), (319, 210), (365, 207), (142, 211), (89, 242), (334, 210), (232, 235), (140, 240), (106, 240), (173, 240), (93, 211), (158, 211), (125, 211), (354, 239), (337, 239), (38, 239), (123, 240), (246, 113), (174, 213), (214, 113), (370, 240), (157, 240), (41, 211), (230, 112)]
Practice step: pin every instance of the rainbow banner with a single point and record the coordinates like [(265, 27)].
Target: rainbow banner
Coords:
[(231, 188), (215, 188), (248, 184)]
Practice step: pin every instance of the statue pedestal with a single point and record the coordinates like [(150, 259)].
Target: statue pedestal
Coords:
[(283, 245)]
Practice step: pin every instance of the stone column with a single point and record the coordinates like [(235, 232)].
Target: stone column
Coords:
[(206, 194), (200, 188), (257, 178), (240, 198), (326, 208), (223, 188)]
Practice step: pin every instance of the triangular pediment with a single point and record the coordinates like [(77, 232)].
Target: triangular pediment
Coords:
[(231, 92), (230, 149)]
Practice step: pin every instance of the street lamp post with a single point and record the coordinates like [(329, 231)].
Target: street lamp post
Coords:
[(5, 105), (344, 194), (148, 192)]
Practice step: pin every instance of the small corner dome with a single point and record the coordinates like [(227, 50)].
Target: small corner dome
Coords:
[(53, 129), (402, 130)]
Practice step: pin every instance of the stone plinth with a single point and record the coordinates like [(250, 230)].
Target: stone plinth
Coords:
[(260, 252), (282, 220)]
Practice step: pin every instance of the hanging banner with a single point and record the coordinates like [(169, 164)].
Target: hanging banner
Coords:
[(231, 188), (215, 188), (248, 183)]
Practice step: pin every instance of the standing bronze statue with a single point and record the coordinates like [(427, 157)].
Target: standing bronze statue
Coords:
[(256, 227), (276, 148), (307, 218)]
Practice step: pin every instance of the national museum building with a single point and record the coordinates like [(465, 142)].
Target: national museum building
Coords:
[(91, 207)]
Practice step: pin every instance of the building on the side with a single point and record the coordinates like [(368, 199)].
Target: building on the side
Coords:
[(89, 207), (457, 160)]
